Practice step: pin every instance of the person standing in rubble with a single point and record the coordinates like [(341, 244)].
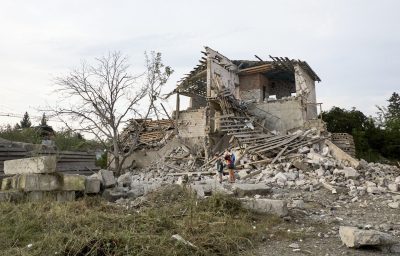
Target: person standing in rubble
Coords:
[(230, 163), (220, 167)]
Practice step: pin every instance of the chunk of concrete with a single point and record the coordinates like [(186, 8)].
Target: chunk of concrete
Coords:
[(40, 164), (112, 195), (136, 192), (107, 178), (38, 182), (349, 172), (125, 179), (277, 207), (340, 155), (73, 182), (354, 238), (92, 186), (242, 190)]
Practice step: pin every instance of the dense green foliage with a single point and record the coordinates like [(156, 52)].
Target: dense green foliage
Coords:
[(64, 140), (375, 139)]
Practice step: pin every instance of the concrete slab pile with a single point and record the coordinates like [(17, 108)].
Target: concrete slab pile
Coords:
[(36, 178)]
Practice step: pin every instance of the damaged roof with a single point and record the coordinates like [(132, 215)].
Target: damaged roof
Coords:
[(195, 82)]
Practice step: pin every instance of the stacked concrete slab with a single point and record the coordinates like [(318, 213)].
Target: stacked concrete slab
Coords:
[(36, 178)]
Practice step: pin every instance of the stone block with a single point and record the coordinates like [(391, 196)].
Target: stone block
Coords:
[(73, 182), (92, 186), (107, 178), (6, 183), (35, 196), (354, 238), (40, 164), (38, 182), (60, 196), (277, 207), (11, 196), (242, 190), (65, 196)]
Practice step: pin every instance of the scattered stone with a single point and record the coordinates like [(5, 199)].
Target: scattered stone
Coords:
[(349, 172), (92, 186), (394, 205), (112, 194), (353, 237), (107, 178)]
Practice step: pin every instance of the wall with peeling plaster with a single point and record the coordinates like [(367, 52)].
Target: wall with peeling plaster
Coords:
[(280, 115), (305, 86)]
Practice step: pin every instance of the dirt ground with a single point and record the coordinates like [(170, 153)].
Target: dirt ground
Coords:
[(315, 227)]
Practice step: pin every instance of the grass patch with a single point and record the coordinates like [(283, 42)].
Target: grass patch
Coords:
[(216, 226)]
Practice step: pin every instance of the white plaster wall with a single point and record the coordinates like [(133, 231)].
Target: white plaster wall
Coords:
[(192, 123), (280, 115), (223, 70), (305, 86)]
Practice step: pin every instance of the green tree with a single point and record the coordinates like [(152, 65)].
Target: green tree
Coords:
[(25, 122), (394, 106), (389, 120), (367, 136)]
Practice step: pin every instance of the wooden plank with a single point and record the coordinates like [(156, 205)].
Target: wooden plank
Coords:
[(279, 154), (278, 145)]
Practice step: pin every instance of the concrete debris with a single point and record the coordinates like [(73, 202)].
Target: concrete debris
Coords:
[(277, 207), (107, 178), (353, 237), (92, 186)]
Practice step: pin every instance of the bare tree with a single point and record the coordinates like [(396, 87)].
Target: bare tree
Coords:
[(99, 99)]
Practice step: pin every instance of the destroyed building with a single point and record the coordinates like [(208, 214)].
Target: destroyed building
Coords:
[(243, 97), (237, 102)]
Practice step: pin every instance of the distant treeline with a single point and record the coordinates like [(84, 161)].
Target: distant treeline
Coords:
[(376, 138)]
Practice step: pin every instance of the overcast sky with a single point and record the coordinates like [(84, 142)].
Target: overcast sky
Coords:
[(354, 46)]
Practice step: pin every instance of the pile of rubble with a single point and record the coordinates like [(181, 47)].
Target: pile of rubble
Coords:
[(316, 164), (316, 167)]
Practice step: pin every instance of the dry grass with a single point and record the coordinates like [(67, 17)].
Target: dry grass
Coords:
[(216, 226)]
